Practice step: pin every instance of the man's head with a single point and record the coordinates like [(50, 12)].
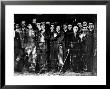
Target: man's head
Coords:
[(34, 21), (29, 26), (64, 27), (39, 25), (79, 24), (43, 27), (91, 26), (23, 22), (16, 26), (75, 29), (84, 23), (52, 27), (58, 28), (85, 30), (69, 26)]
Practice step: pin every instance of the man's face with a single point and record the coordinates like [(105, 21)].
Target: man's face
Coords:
[(64, 26), (84, 23), (79, 24), (43, 27), (23, 22), (17, 26), (75, 29), (52, 28), (34, 21), (84, 29), (30, 26), (58, 28), (69, 27), (91, 26), (38, 25)]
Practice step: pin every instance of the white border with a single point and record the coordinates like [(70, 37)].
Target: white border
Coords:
[(100, 79)]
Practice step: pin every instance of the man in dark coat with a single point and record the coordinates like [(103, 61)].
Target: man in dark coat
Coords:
[(77, 63), (18, 51)]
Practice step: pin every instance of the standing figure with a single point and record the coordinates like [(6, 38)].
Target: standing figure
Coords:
[(35, 28), (59, 44), (65, 30), (23, 34), (30, 48), (42, 45), (53, 50), (18, 61), (68, 36), (83, 37), (48, 39), (91, 49), (77, 63)]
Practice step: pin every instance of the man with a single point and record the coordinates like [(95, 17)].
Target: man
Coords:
[(77, 63), (59, 44), (86, 47), (42, 45), (69, 27), (76, 34), (84, 24), (23, 34), (80, 26), (58, 29), (91, 48), (38, 25), (64, 27), (68, 39), (36, 28), (34, 25), (23, 37), (52, 27), (65, 30), (69, 35), (53, 46), (31, 48), (30, 30), (91, 27), (17, 47), (34, 20), (48, 39)]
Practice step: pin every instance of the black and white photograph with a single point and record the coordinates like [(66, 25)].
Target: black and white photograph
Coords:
[(55, 44)]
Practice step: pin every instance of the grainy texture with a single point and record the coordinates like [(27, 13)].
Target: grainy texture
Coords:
[(55, 44)]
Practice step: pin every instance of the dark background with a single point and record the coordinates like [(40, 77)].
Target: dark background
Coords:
[(61, 18)]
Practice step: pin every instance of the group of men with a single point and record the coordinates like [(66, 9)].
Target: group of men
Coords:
[(53, 46)]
